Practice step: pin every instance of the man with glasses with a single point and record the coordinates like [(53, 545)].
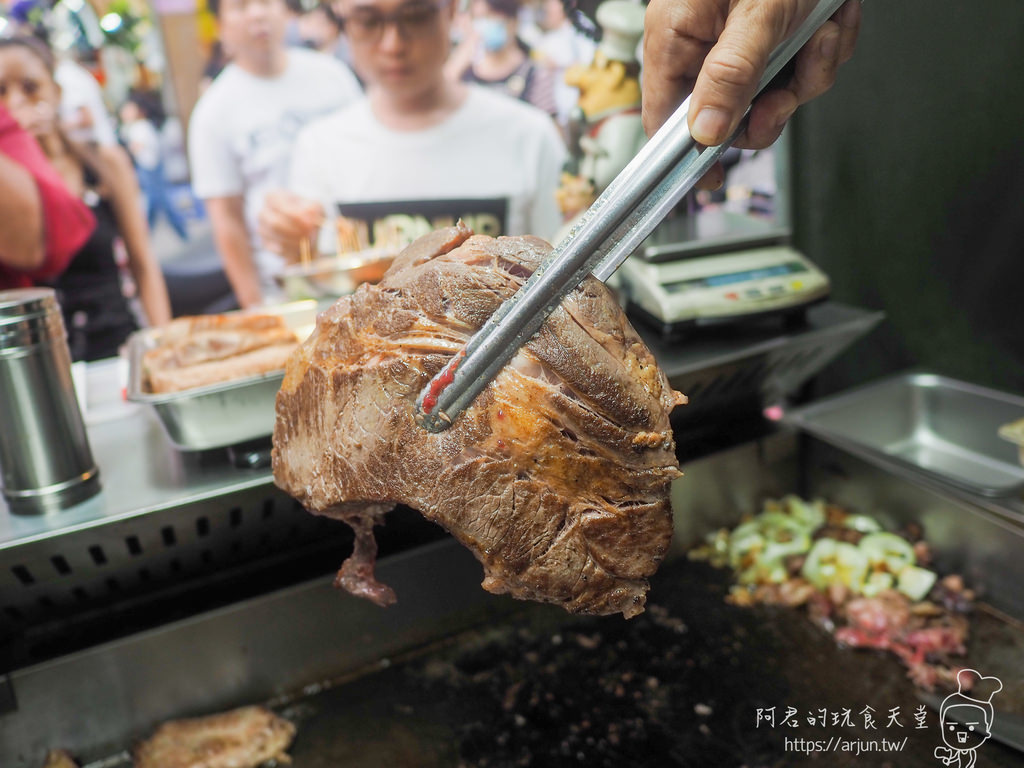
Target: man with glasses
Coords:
[(243, 128), (419, 151)]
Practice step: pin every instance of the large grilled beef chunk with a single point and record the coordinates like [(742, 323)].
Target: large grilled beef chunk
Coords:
[(556, 478)]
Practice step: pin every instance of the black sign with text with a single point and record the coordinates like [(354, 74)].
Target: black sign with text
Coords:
[(398, 222)]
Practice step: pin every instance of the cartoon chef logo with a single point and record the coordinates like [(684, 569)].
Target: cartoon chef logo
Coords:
[(965, 718)]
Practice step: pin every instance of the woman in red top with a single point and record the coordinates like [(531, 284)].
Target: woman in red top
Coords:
[(96, 312), (42, 224)]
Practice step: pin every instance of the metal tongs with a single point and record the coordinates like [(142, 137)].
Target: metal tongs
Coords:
[(628, 210)]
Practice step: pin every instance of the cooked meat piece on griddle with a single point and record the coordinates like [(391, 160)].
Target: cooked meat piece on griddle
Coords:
[(241, 738), (58, 758), (556, 478)]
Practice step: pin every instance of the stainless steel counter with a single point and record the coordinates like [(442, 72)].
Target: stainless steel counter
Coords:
[(140, 471), (169, 523), (164, 522)]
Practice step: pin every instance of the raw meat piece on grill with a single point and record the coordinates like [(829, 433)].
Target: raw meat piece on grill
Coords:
[(556, 478), (242, 738)]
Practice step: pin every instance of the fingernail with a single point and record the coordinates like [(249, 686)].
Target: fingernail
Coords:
[(784, 118), (848, 13), (710, 126), (830, 44)]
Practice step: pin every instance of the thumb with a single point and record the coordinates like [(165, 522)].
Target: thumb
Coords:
[(728, 79)]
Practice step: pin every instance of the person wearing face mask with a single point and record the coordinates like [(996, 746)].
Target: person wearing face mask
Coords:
[(502, 61), (560, 47)]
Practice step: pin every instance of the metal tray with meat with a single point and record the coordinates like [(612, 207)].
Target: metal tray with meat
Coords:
[(219, 413)]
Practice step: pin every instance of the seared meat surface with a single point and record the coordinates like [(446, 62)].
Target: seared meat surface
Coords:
[(241, 738), (208, 349), (58, 758), (556, 478)]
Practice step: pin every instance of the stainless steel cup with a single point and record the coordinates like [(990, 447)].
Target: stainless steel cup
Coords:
[(45, 460)]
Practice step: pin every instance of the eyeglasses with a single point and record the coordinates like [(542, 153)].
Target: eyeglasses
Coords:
[(365, 25)]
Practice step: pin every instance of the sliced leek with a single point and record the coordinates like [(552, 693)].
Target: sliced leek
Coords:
[(835, 562), (888, 552), (916, 582), (862, 523)]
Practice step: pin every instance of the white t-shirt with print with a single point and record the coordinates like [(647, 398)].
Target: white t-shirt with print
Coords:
[(243, 129), (495, 163)]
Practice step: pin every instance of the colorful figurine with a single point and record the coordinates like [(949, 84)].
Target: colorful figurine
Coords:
[(607, 130)]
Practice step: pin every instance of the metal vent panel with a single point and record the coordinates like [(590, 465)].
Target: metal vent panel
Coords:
[(91, 568)]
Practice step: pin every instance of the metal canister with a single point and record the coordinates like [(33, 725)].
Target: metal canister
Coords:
[(46, 463)]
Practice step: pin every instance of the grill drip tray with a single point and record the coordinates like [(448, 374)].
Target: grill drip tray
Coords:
[(947, 430), (941, 457)]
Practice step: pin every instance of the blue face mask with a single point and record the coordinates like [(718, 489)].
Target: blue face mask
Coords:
[(493, 33)]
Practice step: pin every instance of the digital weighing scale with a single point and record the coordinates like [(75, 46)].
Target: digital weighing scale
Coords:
[(682, 285)]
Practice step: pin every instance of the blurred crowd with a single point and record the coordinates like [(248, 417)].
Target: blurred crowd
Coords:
[(319, 128)]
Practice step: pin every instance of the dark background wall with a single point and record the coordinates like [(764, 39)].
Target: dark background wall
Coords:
[(909, 190)]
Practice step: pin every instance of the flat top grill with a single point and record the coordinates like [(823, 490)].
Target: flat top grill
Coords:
[(680, 685)]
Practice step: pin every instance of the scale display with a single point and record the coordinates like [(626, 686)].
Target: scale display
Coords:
[(745, 276), (722, 288)]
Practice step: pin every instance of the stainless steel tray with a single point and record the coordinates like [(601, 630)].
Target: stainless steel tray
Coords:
[(943, 428), (221, 414)]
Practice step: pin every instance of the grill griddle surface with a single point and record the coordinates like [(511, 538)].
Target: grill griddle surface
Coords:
[(679, 685)]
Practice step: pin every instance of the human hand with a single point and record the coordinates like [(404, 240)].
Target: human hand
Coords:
[(718, 49), (38, 118), (286, 221), (82, 119)]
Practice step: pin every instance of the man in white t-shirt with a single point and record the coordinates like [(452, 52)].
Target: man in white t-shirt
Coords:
[(244, 126), (419, 151)]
